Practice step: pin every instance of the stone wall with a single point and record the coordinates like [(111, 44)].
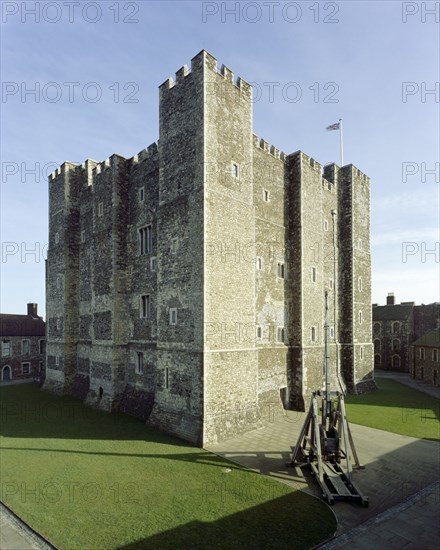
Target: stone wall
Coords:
[(240, 256)]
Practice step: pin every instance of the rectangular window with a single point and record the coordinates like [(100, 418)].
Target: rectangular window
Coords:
[(362, 352), (25, 347), (145, 306), (83, 236), (25, 368), (6, 348), (265, 195), (57, 360), (313, 274), (360, 284), (100, 209), (153, 263), (422, 353), (313, 334), (145, 240), (259, 263), (259, 332), (280, 334), (325, 225), (174, 245), (57, 238), (330, 284), (140, 363), (141, 194), (58, 281), (235, 170), (332, 332), (173, 316), (42, 346), (435, 355), (280, 270), (58, 324)]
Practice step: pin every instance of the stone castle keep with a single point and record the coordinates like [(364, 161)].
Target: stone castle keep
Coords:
[(186, 284)]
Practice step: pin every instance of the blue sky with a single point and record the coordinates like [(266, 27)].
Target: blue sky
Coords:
[(364, 52)]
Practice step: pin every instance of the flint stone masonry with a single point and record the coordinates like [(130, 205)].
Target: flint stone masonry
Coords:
[(232, 244)]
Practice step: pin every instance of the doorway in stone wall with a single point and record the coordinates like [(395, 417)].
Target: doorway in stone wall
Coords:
[(6, 373)]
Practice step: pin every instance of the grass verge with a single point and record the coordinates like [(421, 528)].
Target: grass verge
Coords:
[(86, 479), (396, 408)]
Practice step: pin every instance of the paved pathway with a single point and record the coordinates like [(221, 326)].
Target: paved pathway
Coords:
[(397, 467), (16, 535), (413, 524)]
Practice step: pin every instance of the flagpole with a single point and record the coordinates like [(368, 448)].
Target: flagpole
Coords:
[(341, 142)]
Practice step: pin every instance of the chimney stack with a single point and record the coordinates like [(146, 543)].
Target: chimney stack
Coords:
[(32, 310), (391, 300)]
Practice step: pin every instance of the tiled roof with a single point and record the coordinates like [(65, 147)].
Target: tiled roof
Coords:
[(391, 313), (431, 338), (21, 325)]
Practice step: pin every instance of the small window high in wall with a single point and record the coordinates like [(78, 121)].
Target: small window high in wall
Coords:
[(173, 316), (235, 170), (280, 334), (140, 363), (280, 270), (145, 306), (145, 240)]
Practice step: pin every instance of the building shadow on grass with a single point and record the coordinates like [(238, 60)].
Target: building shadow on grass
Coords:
[(27, 411), (273, 524)]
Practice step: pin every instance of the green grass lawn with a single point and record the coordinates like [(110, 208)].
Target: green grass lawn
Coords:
[(396, 408), (90, 480)]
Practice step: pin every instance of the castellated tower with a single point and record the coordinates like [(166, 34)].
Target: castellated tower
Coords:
[(185, 285)]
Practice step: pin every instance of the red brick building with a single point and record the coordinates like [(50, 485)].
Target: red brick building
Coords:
[(396, 327), (425, 358), (23, 343)]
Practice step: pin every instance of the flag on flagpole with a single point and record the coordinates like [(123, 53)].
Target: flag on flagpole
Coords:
[(338, 126)]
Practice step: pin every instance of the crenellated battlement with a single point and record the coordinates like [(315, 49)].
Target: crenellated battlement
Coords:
[(63, 169), (355, 173), (201, 62), (270, 149), (145, 154)]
